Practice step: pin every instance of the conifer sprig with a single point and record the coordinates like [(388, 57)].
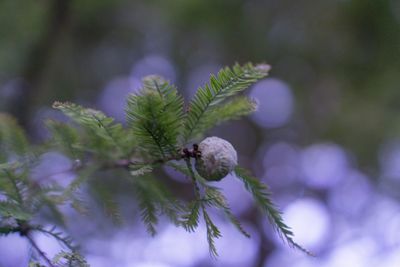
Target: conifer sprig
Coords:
[(215, 198), (25, 198), (212, 232), (262, 196), (103, 134), (92, 120), (158, 133), (227, 111), (155, 116), (69, 259), (12, 138), (227, 83)]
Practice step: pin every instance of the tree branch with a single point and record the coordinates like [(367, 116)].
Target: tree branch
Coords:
[(39, 251)]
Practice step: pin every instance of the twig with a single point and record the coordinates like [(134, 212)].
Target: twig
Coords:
[(192, 175), (125, 163), (41, 253)]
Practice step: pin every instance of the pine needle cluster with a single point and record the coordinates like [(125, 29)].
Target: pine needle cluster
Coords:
[(158, 130)]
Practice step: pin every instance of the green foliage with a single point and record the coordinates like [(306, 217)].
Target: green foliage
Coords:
[(215, 198), (12, 210), (103, 134), (138, 170), (190, 221), (68, 259), (155, 116), (148, 209), (107, 202), (154, 198), (65, 240), (157, 134), (227, 111), (227, 83), (212, 233), (13, 141), (35, 264), (65, 138), (262, 196)]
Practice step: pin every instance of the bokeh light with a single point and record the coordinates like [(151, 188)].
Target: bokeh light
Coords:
[(54, 167), (238, 198), (9, 246), (113, 98), (276, 103), (354, 194), (198, 76), (234, 248), (281, 164), (310, 220), (389, 159), (324, 165), (151, 64), (177, 247), (353, 253)]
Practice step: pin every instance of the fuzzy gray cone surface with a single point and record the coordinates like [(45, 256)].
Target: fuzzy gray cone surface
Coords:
[(218, 158)]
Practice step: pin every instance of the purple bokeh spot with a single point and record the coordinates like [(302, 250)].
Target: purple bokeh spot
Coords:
[(388, 258), (352, 196), (48, 244), (383, 220), (389, 159), (54, 167), (10, 90), (177, 247), (176, 175), (281, 164), (149, 264), (238, 198), (286, 258), (172, 246), (276, 103), (199, 77), (323, 165), (234, 248), (309, 220), (353, 253), (38, 122), (14, 251), (154, 64), (113, 98)]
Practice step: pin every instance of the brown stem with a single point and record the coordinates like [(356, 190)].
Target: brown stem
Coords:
[(125, 163)]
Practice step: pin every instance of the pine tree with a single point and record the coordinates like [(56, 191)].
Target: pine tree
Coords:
[(160, 131)]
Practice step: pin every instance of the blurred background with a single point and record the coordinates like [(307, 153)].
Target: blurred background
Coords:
[(326, 136)]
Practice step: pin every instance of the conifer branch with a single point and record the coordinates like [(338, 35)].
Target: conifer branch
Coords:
[(155, 116), (39, 251), (157, 134), (191, 219), (227, 111), (212, 233), (65, 240), (73, 259), (215, 198), (18, 195), (227, 83), (262, 196)]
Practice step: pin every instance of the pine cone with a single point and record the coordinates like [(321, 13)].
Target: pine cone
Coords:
[(218, 158)]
